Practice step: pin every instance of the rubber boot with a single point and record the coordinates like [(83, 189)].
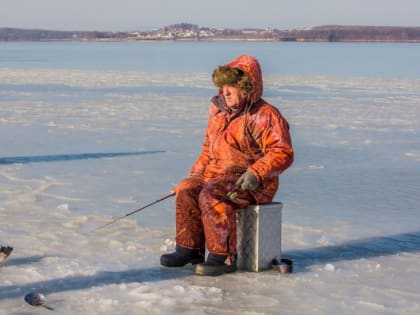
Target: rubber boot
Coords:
[(182, 256), (216, 265)]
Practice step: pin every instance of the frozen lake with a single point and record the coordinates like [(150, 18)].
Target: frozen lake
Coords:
[(80, 147)]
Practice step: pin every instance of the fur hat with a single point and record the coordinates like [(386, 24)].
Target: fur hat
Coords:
[(225, 75)]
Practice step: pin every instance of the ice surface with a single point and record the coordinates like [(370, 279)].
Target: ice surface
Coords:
[(78, 148)]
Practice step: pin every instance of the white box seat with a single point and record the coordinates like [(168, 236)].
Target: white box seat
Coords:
[(259, 236)]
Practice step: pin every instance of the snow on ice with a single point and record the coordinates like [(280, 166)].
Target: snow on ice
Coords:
[(78, 148)]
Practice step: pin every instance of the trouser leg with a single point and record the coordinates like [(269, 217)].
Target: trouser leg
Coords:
[(219, 217), (189, 228)]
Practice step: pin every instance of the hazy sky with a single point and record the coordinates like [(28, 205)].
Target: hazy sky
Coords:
[(122, 15)]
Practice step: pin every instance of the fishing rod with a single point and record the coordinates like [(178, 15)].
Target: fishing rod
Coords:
[(135, 211), (230, 195)]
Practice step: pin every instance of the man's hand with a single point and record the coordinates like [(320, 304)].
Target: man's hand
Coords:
[(247, 181)]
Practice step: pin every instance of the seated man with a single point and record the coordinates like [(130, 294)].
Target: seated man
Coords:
[(247, 145)]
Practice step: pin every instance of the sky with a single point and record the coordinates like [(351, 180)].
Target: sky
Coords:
[(127, 15)]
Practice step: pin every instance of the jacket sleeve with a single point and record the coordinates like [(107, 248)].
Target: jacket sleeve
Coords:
[(271, 132)]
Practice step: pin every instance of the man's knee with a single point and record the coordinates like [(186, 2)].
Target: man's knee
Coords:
[(189, 184)]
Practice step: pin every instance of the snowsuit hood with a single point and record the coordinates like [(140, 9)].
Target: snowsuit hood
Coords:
[(250, 65)]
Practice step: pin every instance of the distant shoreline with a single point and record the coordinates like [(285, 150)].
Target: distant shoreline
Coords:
[(191, 32)]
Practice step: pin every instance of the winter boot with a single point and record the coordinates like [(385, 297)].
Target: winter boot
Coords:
[(182, 256), (216, 265)]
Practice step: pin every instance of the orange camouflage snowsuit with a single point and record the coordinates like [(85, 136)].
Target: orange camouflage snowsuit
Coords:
[(254, 138)]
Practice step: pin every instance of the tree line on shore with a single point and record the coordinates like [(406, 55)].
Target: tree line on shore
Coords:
[(186, 31)]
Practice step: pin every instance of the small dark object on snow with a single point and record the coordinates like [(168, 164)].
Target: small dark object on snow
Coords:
[(284, 266), (5, 251), (36, 299)]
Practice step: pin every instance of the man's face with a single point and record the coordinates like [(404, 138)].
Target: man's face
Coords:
[(233, 96)]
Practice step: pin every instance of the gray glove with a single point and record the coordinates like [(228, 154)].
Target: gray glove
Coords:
[(247, 181)]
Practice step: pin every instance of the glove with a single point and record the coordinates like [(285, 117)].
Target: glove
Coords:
[(247, 181)]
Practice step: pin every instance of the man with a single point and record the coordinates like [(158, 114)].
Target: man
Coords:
[(247, 145)]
